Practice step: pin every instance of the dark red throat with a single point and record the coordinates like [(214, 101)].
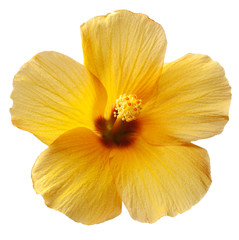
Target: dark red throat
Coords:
[(123, 137)]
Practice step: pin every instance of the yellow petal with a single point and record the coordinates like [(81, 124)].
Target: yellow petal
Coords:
[(156, 181), (73, 177), (53, 94), (193, 101), (125, 51)]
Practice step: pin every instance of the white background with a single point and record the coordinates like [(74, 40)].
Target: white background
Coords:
[(28, 27)]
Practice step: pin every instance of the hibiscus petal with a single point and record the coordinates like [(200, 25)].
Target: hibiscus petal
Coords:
[(53, 94), (156, 181), (125, 51), (193, 101), (73, 177)]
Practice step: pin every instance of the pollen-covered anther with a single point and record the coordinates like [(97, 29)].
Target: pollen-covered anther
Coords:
[(127, 107)]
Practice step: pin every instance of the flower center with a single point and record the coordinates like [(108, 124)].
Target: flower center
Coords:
[(127, 107), (121, 129)]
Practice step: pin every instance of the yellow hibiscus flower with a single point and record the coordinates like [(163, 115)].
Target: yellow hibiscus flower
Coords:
[(120, 127)]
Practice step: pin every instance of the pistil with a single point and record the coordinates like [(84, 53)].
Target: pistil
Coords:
[(122, 127), (116, 126)]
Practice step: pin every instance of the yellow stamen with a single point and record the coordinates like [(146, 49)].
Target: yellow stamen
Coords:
[(127, 107)]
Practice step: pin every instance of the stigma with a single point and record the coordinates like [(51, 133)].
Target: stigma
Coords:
[(127, 107)]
